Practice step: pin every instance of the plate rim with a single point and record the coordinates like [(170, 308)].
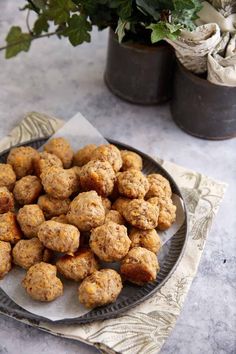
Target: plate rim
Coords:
[(31, 317)]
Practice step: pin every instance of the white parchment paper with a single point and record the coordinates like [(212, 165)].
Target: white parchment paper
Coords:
[(79, 132)]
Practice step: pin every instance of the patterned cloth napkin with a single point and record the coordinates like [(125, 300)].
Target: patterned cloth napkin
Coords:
[(145, 328)]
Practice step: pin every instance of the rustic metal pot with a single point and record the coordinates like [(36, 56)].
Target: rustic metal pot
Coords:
[(138, 73), (201, 108)]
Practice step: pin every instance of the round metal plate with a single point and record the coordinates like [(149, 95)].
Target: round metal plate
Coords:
[(174, 253)]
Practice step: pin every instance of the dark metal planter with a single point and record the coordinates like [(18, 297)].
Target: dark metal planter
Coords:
[(201, 108), (138, 73)]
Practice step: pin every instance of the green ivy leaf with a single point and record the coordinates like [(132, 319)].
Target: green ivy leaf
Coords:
[(41, 25), (59, 11), (40, 4), (120, 29), (124, 7), (17, 41), (78, 30), (148, 7), (162, 30)]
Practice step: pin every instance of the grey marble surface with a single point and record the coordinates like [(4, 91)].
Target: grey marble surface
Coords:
[(58, 79)]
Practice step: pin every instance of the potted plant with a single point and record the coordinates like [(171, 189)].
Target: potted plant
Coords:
[(139, 63)]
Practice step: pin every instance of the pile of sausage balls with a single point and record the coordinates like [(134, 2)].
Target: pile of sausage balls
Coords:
[(65, 213)]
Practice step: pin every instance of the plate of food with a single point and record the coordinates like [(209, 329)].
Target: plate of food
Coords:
[(85, 235)]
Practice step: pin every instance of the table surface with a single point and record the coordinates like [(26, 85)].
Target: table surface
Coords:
[(61, 80)]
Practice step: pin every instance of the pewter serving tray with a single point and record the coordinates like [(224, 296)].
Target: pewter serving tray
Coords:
[(132, 295)]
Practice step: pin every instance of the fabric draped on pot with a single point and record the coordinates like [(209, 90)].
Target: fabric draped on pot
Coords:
[(193, 47), (138, 73)]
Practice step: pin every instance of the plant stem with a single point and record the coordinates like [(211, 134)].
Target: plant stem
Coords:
[(32, 38), (27, 22)]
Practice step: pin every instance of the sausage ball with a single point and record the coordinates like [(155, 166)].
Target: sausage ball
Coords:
[(22, 160), (132, 184), (148, 239), (5, 258), (107, 204), (27, 190), (167, 214), (110, 242), (59, 237), (29, 252), (98, 176), (58, 183), (62, 149), (6, 200), (84, 155), (41, 282), (52, 206), (100, 288), (108, 153), (131, 160), (78, 266), (140, 266), (46, 160), (75, 179), (141, 214), (114, 216), (30, 217), (86, 211), (159, 186), (9, 229), (61, 218), (7, 176), (120, 205)]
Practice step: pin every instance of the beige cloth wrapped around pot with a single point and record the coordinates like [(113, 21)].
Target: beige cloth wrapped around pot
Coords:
[(193, 47), (222, 69), (220, 13)]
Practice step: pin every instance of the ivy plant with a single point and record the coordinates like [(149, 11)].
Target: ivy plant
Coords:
[(143, 21)]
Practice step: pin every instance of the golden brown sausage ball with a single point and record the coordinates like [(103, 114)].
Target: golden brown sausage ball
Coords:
[(84, 155), (30, 217), (61, 218), (46, 160), (58, 183), (114, 216), (140, 266), (131, 160), (7, 176), (120, 204), (78, 266), (167, 214), (27, 190), (107, 204), (100, 288), (52, 206), (41, 282), (28, 252), (159, 186), (148, 239), (62, 149), (22, 160), (109, 153), (75, 179), (132, 184), (98, 176), (6, 200), (59, 237), (86, 211), (5, 258), (9, 229), (110, 242), (141, 214)]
